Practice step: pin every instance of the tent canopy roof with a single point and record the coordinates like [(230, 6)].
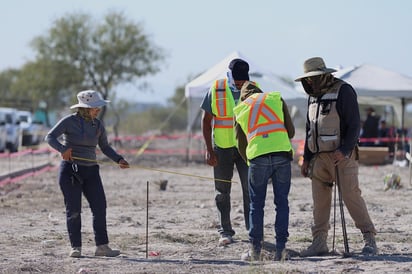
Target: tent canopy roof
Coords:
[(268, 81), (375, 81), (196, 90), (378, 86)]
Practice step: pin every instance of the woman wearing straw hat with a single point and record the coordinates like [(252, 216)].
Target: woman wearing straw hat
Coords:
[(79, 171)]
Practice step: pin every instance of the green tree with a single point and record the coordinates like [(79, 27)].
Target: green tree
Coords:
[(38, 82), (7, 78), (92, 55), (165, 119), (178, 109)]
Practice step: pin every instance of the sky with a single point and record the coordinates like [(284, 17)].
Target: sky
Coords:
[(277, 35)]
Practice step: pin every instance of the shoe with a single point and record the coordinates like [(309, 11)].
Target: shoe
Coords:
[(250, 256), (370, 244), (318, 247), (76, 252), (106, 251), (225, 240), (281, 255)]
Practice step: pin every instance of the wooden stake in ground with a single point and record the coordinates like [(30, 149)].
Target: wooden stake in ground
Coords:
[(147, 219)]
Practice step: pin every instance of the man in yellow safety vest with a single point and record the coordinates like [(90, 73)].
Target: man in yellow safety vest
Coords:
[(263, 130), (221, 151)]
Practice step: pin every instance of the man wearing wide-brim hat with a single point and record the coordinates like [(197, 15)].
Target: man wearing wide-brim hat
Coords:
[(331, 154)]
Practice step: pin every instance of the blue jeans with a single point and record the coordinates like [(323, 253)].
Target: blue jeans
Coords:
[(261, 169), (92, 188), (227, 159)]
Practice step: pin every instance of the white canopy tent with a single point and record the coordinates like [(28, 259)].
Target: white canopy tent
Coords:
[(198, 87), (378, 86)]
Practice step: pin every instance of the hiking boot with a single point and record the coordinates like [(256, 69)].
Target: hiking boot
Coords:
[(106, 251), (318, 247), (281, 255), (370, 244), (225, 240), (250, 255), (76, 252)]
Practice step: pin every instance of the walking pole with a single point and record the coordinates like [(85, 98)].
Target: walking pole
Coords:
[(334, 219), (342, 216)]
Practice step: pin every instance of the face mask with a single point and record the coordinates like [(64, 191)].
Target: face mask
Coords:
[(318, 85), (311, 85)]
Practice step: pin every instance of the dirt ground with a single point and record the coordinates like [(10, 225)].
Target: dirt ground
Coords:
[(175, 230)]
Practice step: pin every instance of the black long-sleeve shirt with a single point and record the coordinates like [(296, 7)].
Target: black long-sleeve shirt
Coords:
[(348, 110)]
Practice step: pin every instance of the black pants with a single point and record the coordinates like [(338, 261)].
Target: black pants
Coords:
[(92, 188), (227, 159)]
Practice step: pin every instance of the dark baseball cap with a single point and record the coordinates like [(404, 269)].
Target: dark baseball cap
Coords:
[(240, 69)]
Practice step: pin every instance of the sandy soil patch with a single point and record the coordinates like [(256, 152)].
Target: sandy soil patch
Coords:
[(182, 219)]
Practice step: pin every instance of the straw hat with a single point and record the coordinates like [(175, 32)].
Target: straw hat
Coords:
[(313, 67), (89, 99)]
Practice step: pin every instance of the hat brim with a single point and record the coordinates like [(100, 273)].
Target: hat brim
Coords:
[(315, 73), (92, 105)]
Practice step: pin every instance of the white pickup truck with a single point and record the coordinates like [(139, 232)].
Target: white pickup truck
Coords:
[(3, 132), (12, 128), (32, 131)]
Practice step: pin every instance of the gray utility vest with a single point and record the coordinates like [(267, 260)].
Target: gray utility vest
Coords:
[(324, 121)]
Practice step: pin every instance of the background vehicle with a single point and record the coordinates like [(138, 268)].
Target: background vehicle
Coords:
[(12, 128), (32, 131), (3, 133)]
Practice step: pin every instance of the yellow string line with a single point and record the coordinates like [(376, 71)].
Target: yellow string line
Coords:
[(145, 145), (159, 170), (162, 125), (152, 137)]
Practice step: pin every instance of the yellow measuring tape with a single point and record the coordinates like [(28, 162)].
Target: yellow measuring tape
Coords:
[(158, 170)]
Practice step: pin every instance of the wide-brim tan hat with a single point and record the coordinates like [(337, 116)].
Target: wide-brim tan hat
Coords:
[(89, 99), (313, 67)]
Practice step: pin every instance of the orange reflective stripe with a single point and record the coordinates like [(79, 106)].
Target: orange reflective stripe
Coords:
[(266, 130), (259, 108), (223, 122), (221, 98)]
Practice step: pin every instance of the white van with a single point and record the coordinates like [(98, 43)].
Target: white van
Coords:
[(32, 131), (12, 128), (3, 133)]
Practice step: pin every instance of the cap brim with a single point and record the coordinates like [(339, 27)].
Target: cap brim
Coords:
[(93, 105), (315, 73)]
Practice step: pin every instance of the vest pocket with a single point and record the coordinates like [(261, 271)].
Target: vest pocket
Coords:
[(328, 142), (328, 138)]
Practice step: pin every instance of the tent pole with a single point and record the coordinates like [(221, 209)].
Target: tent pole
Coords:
[(403, 114)]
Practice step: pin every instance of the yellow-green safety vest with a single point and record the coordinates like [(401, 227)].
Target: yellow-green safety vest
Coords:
[(222, 109), (261, 118)]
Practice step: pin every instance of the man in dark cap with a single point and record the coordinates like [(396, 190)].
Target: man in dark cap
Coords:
[(240, 70), (219, 137), (331, 153)]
